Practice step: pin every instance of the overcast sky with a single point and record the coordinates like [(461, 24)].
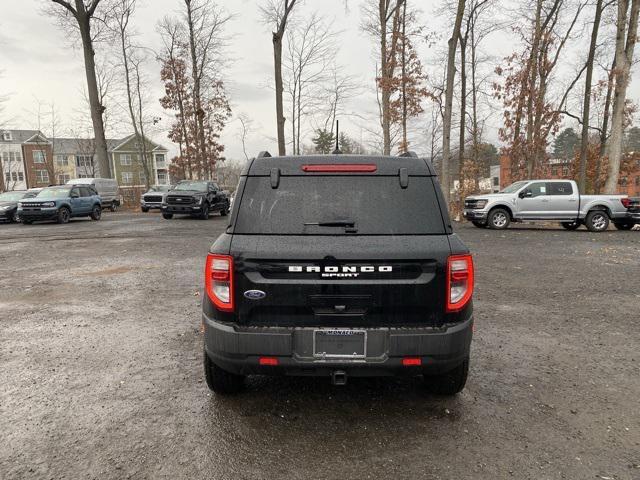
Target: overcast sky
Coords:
[(36, 62)]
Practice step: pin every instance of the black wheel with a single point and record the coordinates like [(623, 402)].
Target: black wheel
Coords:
[(479, 224), (167, 216), (144, 209), (219, 380), (204, 214), (623, 226), (448, 383), (597, 221), (498, 219), (14, 217), (225, 211), (64, 215), (96, 213), (114, 207), (570, 225)]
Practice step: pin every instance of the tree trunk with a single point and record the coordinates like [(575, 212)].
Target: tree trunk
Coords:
[(584, 141), (384, 90), (97, 109), (405, 144), (277, 62), (463, 113), (624, 58), (448, 103)]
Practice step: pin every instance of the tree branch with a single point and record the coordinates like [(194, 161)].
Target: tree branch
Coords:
[(575, 117), (68, 6)]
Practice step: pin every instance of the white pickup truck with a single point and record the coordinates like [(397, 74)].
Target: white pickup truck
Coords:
[(548, 200)]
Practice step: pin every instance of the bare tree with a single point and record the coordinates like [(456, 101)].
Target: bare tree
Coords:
[(246, 127), (338, 90), (276, 14), (626, 38), (448, 101), (586, 103), (310, 48), (83, 12), (383, 22)]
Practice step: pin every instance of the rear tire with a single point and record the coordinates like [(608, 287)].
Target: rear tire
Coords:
[(113, 207), (570, 225), (479, 224), (144, 209), (64, 215), (220, 381), (597, 221), (14, 217), (449, 383), (623, 226), (167, 216), (225, 211), (96, 213), (498, 219)]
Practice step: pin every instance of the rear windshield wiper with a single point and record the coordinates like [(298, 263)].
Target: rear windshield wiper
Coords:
[(349, 225)]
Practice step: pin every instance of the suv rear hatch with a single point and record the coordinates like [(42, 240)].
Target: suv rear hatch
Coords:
[(350, 248)]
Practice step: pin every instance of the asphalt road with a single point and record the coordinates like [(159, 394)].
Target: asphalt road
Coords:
[(101, 375)]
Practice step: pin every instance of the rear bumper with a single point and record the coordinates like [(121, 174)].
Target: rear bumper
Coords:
[(634, 217), (238, 350), (475, 215)]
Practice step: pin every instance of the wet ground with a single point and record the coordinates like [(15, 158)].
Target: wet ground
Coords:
[(101, 374)]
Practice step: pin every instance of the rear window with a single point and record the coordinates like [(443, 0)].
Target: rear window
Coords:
[(376, 205)]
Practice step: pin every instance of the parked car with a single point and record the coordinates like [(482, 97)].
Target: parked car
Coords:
[(61, 203), (107, 188), (338, 266), (197, 198), (9, 204), (633, 212), (153, 198), (546, 200)]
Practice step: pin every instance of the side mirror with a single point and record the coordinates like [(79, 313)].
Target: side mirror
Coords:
[(75, 195), (526, 194)]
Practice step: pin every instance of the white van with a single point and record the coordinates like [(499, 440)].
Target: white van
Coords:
[(107, 188)]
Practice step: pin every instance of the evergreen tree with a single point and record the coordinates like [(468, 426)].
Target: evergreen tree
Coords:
[(632, 143), (565, 144), (323, 141)]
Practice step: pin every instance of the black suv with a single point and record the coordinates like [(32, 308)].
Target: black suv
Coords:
[(338, 266), (197, 198)]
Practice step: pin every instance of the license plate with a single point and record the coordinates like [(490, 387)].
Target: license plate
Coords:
[(340, 343)]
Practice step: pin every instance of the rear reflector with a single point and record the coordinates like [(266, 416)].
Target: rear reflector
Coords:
[(625, 202), (269, 361), (341, 168), (411, 361)]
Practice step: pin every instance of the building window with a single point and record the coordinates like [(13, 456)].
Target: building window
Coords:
[(162, 178), (6, 136), (62, 160), (623, 181), (7, 177), (125, 159), (160, 159), (39, 156), (565, 171), (638, 181), (84, 161), (14, 176), (127, 178), (63, 178), (83, 175), (554, 171), (143, 177), (11, 157), (42, 176)]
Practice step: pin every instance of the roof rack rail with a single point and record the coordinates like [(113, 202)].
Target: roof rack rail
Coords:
[(264, 154), (409, 154)]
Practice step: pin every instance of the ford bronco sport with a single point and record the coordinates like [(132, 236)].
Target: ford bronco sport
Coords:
[(338, 266)]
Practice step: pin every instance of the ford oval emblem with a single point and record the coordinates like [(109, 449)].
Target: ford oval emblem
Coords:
[(255, 294)]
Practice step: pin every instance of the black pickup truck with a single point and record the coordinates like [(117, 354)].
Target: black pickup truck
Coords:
[(197, 198), (338, 266)]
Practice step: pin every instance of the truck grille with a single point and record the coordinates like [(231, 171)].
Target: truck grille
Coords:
[(474, 204), (153, 198), (32, 205), (180, 200)]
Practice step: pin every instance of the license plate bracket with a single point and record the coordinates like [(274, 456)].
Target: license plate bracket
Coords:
[(340, 343)]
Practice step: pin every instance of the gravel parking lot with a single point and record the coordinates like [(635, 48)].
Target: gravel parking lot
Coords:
[(101, 373)]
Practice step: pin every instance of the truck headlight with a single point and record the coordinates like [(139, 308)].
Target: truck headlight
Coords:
[(49, 204), (19, 204)]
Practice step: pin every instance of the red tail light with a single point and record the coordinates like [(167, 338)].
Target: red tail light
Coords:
[(268, 361), (341, 168), (218, 281), (411, 361), (626, 202), (459, 281)]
